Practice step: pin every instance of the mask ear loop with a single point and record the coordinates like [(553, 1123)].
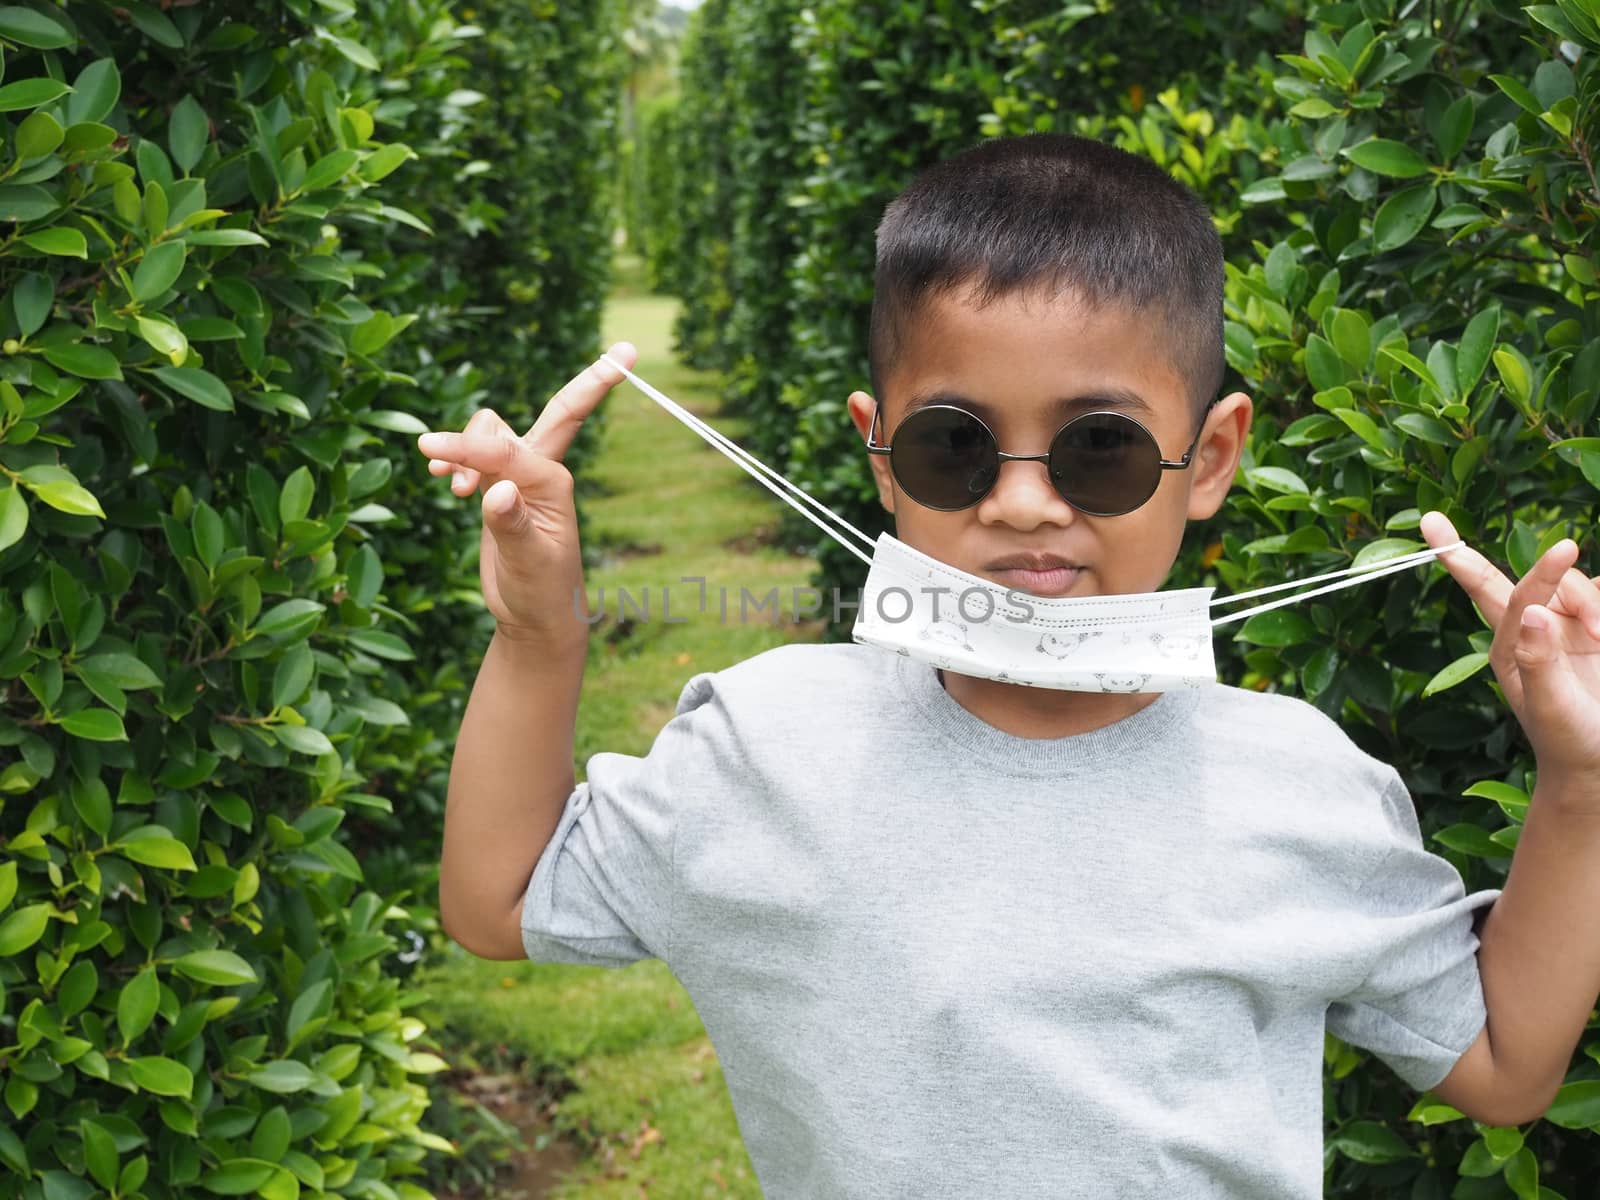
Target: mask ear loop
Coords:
[(1362, 574), (751, 465)]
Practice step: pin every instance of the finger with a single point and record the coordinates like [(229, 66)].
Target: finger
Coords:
[(1484, 582), (486, 450), (484, 420), (1578, 597), (461, 481), (503, 510), (558, 424), (1537, 653), (1537, 587), (446, 451)]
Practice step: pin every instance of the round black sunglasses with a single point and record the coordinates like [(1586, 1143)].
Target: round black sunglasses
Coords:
[(1102, 463)]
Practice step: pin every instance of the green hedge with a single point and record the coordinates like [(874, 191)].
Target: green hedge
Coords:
[(1423, 335), (245, 256), (1407, 199)]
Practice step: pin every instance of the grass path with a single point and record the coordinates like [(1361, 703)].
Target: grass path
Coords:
[(650, 1111)]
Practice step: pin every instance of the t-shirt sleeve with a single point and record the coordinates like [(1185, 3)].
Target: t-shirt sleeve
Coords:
[(1420, 1005), (602, 892)]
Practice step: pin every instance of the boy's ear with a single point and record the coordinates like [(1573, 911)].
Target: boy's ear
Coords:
[(1217, 454), (861, 407)]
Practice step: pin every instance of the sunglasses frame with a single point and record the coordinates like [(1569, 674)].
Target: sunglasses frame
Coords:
[(1003, 457)]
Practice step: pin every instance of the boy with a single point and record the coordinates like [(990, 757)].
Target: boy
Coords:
[(955, 937)]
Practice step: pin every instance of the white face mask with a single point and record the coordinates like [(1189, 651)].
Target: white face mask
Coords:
[(930, 611)]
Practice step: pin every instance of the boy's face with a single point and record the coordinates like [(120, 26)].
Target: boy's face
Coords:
[(1025, 365)]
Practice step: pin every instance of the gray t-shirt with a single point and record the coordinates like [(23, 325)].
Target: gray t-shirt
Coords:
[(936, 959)]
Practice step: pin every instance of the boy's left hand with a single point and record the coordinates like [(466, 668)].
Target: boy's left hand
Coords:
[(1546, 649)]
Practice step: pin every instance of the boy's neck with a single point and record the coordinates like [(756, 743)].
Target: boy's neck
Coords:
[(1031, 712)]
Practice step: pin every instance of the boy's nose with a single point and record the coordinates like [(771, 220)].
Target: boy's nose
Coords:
[(1024, 498)]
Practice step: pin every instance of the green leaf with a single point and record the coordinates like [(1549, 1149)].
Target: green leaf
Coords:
[(156, 26), (1383, 550), (302, 739), (378, 711), (285, 1075), (392, 420), (38, 135), (1576, 1106), (1522, 1174), (1455, 126), (353, 50), (82, 359), (1429, 429), (29, 28), (1518, 92), (1512, 801), (136, 1004), (1477, 342), (1362, 426), (200, 386), (1352, 336), (23, 928), (158, 270), (1278, 479), (13, 516), (166, 852), (32, 300), (1280, 627), (1463, 669), (25, 202), (365, 576), (386, 645), (187, 133), (1402, 217), (95, 725), (1384, 157), (1370, 1142), (294, 501), (208, 534), (163, 337), (99, 1152), (68, 497), (225, 237), (31, 93), (292, 615), (382, 161), (94, 93), (1314, 109), (329, 169), (156, 208), (163, 1076), (221, 967), (1514, 373), (293, 674), (238, 1177), (61, 241), (8, 885)]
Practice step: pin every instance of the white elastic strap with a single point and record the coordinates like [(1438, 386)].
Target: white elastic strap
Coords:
[(1360, 575), (750, 463)]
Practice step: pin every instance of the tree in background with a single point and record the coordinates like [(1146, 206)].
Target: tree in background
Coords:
[(247, 251)]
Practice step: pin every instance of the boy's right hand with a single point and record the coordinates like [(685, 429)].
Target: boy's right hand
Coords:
[(528, 561)]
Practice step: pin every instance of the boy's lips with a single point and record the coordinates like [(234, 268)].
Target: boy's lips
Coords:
[(1037, 574), (1031, 562)]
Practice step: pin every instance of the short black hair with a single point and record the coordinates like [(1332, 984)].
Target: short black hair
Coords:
[(1046, 212)]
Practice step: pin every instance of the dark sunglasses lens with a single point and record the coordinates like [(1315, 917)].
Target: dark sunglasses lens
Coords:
[(1105, 464), (944, 458)]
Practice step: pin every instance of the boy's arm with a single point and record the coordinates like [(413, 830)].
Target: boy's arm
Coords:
[(1539, 953), (512, 769), (509, 781), (1540, 960)]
